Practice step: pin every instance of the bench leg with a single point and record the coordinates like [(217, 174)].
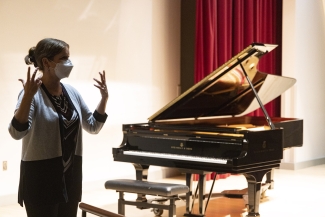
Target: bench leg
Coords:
[(84, 213), (172, 208), (121, 204)]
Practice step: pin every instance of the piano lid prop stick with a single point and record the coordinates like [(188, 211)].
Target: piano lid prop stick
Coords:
[(195, 195), (214, 180), (267, 117)]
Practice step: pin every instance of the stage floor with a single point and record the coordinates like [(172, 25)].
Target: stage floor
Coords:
[(297, 193)]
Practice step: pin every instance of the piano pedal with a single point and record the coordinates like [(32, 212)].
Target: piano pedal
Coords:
[(263, 194), (264, 188)]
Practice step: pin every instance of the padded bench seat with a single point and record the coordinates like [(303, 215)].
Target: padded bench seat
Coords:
[(167, 190), (145, 187)]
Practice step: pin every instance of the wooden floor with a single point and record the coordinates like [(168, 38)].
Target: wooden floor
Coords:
[(298, 193)]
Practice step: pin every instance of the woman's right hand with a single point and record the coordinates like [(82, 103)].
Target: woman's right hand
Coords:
[(31, 85)]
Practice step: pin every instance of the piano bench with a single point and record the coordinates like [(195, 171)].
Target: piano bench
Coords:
[(166, 190)]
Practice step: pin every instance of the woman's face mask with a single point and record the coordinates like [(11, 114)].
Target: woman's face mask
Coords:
[(63, 69)]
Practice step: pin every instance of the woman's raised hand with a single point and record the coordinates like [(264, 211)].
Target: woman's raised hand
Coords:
[(101, 85), (31, 85), (30, 88)]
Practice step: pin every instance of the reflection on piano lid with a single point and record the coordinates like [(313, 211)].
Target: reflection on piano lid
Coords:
[(226, 91)]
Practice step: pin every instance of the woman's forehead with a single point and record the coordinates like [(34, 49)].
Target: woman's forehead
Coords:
[(64, 53)]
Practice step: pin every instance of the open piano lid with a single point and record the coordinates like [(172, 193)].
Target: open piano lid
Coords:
[(226, 91)]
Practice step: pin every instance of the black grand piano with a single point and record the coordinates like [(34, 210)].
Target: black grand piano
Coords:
[(207, 129)]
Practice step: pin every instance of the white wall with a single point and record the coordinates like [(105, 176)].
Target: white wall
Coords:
[(136, 42), (303, 59)]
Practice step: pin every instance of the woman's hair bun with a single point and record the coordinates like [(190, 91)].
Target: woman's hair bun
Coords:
[(30, 58)]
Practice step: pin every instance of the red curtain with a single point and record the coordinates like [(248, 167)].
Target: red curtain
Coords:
[(226, 27)]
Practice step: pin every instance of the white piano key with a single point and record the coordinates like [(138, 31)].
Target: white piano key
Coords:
[(176, 157)]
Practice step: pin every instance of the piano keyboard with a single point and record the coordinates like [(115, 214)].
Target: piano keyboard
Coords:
[(176, 157)]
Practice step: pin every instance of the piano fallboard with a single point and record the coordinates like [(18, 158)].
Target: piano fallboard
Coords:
[(235, 150)]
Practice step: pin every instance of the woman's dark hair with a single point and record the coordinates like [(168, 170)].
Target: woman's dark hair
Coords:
[(46, 48)]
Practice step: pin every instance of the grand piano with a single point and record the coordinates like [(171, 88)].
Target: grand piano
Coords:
[(208, 129)]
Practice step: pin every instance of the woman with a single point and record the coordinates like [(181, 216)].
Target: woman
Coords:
[(49, 118)]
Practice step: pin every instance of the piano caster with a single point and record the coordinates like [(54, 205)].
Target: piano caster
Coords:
[(263, 194)]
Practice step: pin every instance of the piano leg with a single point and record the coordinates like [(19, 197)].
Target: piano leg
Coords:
[(270, 179), (202, 201), (191, 196), (254, 180), (141, 173)]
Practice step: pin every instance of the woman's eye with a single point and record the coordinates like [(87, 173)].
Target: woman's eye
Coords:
[(64, 58)]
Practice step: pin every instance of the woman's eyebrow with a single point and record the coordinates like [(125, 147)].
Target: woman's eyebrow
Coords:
[(64, 57)]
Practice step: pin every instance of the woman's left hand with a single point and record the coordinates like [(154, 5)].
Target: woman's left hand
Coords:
[(101, 85)]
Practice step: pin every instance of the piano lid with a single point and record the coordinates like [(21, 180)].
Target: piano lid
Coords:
[(226, 92)]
